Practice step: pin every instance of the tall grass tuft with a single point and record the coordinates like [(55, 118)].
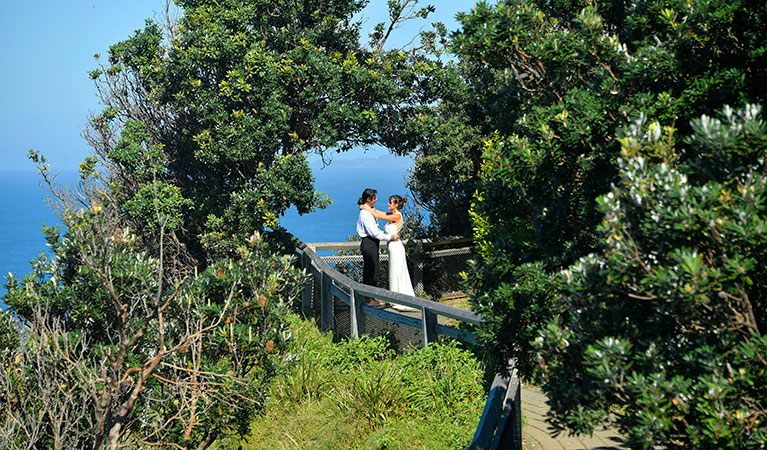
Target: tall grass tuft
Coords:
[(362, 394), (372, 395)]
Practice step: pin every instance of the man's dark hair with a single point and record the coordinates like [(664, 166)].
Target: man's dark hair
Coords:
[(367, 194)]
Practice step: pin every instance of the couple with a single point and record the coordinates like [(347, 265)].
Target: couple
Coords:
[(367, 228)]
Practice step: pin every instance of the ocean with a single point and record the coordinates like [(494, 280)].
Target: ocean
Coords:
[(23, 201)]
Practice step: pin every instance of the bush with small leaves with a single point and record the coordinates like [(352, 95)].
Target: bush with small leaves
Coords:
[(552, 83), (103, 347), (662, 329)]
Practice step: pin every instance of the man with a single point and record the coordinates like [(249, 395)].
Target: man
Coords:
[(371, 235)]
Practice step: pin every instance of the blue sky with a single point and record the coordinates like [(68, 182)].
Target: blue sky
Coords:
[(47, 48)]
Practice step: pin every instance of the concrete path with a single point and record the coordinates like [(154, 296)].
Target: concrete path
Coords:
[(536, 434)]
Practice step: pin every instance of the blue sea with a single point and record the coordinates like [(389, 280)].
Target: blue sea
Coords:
[(22, 199)]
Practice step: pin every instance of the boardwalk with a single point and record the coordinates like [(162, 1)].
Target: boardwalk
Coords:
[(537, 436)]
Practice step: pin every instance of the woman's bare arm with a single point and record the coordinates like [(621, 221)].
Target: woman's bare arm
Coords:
[(380, 214)]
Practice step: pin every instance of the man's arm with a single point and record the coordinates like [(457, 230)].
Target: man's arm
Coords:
[(371, 228)]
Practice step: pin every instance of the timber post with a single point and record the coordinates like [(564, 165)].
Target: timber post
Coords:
[(326, 302), (357, 318), (308, 291), (428, 326)]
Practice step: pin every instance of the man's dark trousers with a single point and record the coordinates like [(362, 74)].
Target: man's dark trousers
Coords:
[(370, 265)]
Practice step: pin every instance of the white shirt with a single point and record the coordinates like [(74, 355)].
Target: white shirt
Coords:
[(367, 225)]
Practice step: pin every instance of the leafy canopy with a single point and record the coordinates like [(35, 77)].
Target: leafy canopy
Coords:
[(666, 321), (157, 320), (556, 81), (228, 102)]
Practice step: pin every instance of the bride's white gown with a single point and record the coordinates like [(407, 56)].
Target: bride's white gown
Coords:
[(399, 278)]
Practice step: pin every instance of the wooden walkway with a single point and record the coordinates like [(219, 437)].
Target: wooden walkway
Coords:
[(536, 434)]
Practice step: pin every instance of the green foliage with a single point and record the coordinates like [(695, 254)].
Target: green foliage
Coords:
[(517, 306), (103, 338), (447, 156), (653, 326), (155, 203), (225, 104), (661, 330), (8, 336), (287, 182), (554, 82), (135, 155), (362, 394), (200, 148), (373, 396)]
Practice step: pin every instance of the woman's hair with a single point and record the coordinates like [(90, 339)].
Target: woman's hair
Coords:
[(398, 200), (367, 194)]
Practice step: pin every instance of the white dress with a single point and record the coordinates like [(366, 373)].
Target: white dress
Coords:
[(399, 278)]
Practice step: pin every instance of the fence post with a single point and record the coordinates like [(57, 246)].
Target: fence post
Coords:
[(516, 416), (307, 293), (417, 258), (326, 303), (355, 314), (428, 326)]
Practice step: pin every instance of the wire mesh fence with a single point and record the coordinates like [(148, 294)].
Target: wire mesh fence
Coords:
[(435, 272), (435, 267)]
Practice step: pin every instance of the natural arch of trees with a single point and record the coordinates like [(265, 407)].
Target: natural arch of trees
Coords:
[(607, 157)]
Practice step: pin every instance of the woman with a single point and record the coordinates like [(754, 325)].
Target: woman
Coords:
[(399, 278)]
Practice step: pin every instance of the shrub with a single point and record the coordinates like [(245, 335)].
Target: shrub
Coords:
[(661, 331), (362, 394), (104, 345), (553, 82)]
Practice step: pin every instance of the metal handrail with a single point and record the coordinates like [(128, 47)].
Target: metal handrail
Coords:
[(354, 245), (335, 284), (386, 295), (500, 425), (421, 250)]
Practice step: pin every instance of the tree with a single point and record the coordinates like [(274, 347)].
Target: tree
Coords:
[(447, 139), (157, 318), (556, 81), (662, 329), (104, 346), (229, 101)]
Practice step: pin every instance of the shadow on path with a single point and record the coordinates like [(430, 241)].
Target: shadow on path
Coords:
[(537, 435)]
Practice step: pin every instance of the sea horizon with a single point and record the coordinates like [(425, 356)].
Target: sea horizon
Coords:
[(23, 199)]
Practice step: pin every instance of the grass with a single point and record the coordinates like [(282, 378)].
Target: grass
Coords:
[(459, 300), (362, 394)]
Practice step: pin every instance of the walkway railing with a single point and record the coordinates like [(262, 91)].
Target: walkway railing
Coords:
[(501, 424), (336, 295), (434, 265), (327, 285)]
